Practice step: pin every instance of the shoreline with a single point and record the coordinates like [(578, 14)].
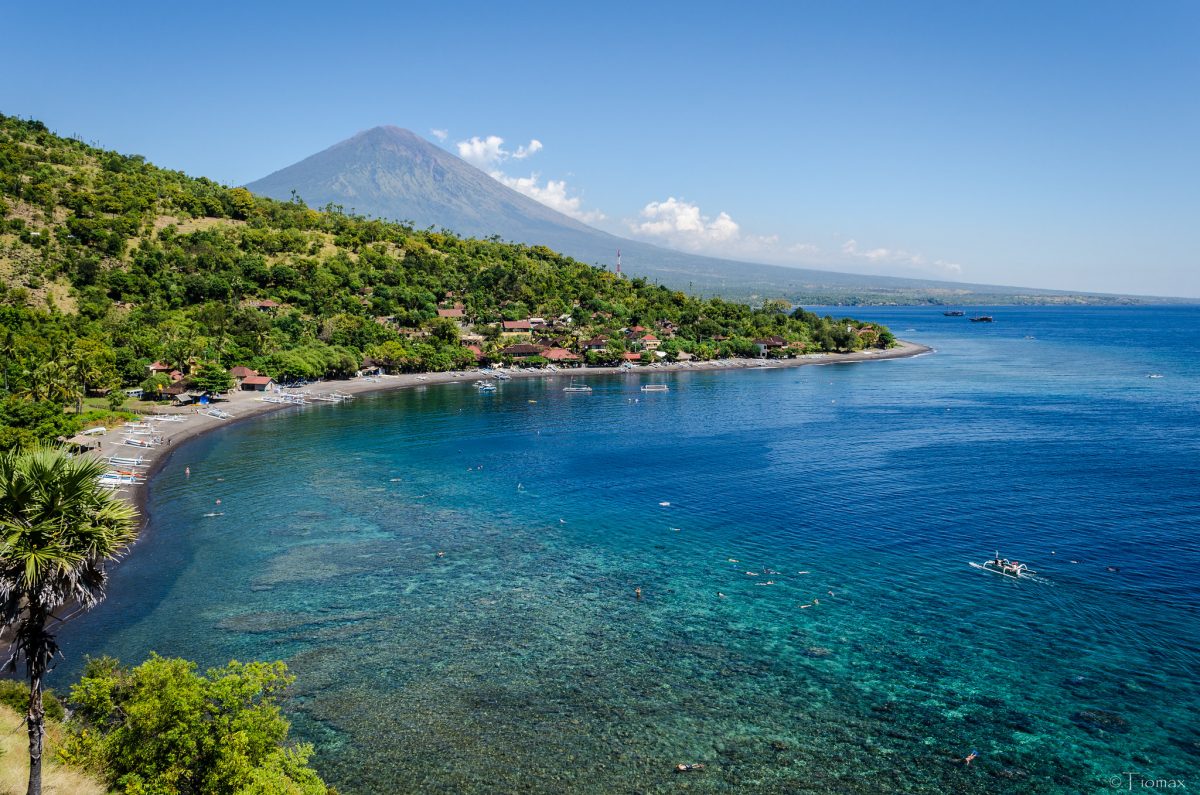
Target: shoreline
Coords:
[(246, 405)]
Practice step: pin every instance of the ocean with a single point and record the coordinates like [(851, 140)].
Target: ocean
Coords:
[(453, 576)]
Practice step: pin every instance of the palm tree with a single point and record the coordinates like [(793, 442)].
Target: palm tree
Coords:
[(58, 528)]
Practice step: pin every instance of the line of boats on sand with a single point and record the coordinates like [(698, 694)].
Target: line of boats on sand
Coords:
[(573, 388), (305, 398)]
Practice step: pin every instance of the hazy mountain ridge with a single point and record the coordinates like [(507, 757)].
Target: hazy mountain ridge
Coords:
[(390, 172)]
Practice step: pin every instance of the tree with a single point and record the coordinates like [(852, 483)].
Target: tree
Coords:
[(154, 384), (89, 364), (163, 728), (58, 529), (212, 377)]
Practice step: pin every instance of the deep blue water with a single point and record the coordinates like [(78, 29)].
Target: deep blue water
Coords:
[(520, 659)]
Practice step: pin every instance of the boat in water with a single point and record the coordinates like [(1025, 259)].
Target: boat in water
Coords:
[(954, 313), (1006, 568), (574, 387), (982, 319), (485, 386), (655, 388)]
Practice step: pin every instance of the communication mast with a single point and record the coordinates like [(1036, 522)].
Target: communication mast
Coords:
[(618, 262)]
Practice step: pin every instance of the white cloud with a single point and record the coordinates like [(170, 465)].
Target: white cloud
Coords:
[(523, 152), (681, 223), (553, 194), (441, 135), (901, 257), (482, 152), (486, 152)]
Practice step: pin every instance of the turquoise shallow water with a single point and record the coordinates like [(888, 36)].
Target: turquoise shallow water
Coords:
[(520, 659)]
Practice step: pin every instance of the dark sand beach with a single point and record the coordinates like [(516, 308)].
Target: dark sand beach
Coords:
[(244, 405)]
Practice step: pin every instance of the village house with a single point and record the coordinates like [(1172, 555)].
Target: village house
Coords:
[(766, 344), (594, 344), (240, 373), (561, 356), (454, 313), (257, 383), (524, 351), (515, 328), (649, 342), (159, 367), (265, 306)]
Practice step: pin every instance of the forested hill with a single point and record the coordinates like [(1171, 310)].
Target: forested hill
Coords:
[(108, 263)]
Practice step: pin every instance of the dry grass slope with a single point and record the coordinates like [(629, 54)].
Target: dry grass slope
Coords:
[(14, 762)]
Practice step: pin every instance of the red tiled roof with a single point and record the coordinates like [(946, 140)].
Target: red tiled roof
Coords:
[(631, 357), (560, 355), (456, 312), (166, 368), (254, 380), (516, 325), (242, 371), (267, 304), (475, 349), (649, 337), (522, 350)]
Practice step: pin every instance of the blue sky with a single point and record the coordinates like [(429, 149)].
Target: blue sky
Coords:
[(1047, 144)]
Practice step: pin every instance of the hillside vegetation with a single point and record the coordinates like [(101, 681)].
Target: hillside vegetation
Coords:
[(109, 263)]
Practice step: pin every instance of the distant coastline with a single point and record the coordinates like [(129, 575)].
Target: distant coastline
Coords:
[(246, 405)]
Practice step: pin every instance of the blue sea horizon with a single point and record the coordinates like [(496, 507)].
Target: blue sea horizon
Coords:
[(452, 575)]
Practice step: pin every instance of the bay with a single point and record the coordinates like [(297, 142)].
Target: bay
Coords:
[(451, 575)]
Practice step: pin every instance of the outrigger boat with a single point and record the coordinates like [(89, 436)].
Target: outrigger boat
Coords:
[(1006, 567)]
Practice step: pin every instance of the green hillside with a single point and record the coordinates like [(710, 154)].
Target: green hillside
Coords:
[(109, 263)]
